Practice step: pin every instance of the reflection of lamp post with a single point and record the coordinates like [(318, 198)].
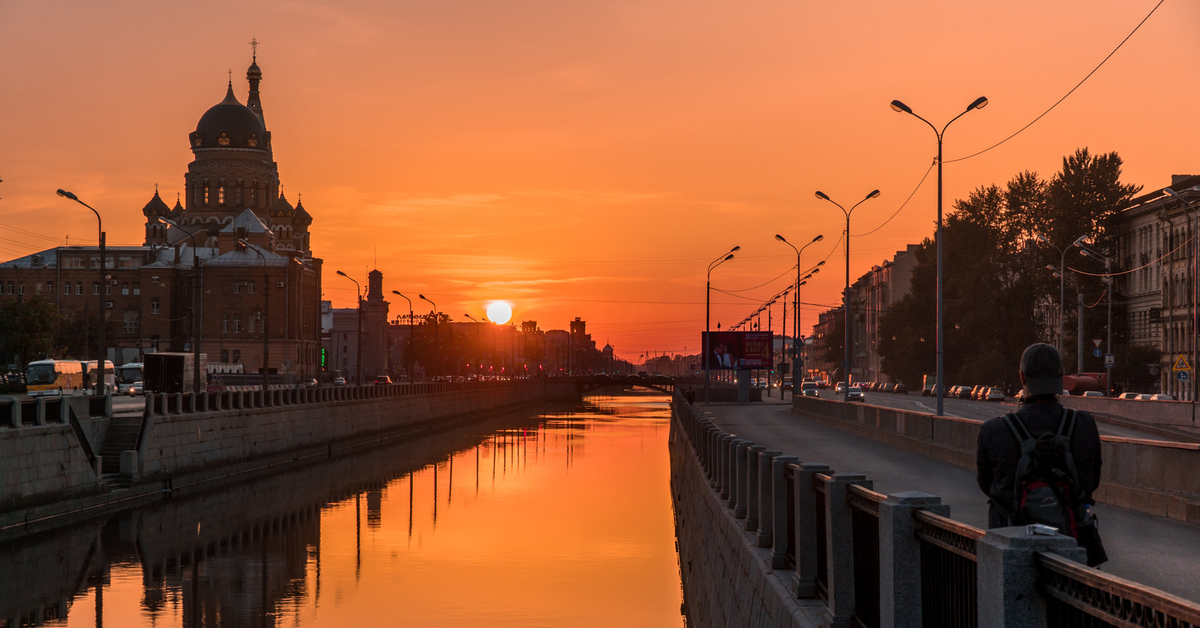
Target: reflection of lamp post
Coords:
[(358, 341), (437, 357), (198, 308), (411, 347), (978, 103), (102, 313), (266, 383), (846, 296), (708, 308)]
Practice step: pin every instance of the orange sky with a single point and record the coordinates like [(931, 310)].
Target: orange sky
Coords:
[(584, 159)]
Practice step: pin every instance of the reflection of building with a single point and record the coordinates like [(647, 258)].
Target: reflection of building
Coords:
[(259, 276)]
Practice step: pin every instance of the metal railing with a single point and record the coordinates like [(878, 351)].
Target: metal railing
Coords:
[(1079, 596), (864, 522), (948, 571), (822, 553)]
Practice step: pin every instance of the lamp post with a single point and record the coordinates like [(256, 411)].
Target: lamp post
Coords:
[(797, 363), (198, 300), (846, 294), (707, 310), (978, 103), (1062, 273), (266, 382), (101, 314), (1108, 326), (358, 336), (411, 347), (437, 357)]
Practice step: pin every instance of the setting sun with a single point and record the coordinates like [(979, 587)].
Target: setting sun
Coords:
[(499, 312)]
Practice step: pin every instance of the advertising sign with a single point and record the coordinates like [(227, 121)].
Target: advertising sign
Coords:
[(730, 350)]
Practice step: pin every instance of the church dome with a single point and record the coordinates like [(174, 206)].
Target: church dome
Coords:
[(156, 207), (230, 124)]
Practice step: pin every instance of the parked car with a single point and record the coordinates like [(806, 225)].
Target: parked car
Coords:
[(1128, 395), (889, 387), (901, 389), (809, 389), (382, 379), (339, 381), (855, 393), (311, 383), (1093, 393), (994, 394), (1145, 397), (1161, 397)]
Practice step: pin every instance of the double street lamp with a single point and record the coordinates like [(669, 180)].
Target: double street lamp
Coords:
[(411, 348), (978, 103), (358, 336), (846, 294), (436, 352), (707, 310), (1062, 274), (101, 313), (197, 300), (796, 360), (266, 380)]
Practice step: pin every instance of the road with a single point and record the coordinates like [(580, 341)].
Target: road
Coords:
[(1143, 548)]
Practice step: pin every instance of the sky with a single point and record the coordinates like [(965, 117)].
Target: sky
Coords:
[(587, 158)]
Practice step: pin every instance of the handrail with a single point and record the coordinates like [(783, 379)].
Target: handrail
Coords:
[(1110, 598), (866, 493), (949, 525)]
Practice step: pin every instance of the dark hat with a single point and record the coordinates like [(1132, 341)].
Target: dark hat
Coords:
[(1043, 370)]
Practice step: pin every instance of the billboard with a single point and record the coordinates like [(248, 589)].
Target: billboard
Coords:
[(731, 350)]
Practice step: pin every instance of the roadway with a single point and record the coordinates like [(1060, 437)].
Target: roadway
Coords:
[(1144, 548)]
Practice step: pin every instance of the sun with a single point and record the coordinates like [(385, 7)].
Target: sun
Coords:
[(499, 312)]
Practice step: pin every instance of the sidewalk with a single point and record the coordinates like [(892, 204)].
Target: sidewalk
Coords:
[(1143, 548)]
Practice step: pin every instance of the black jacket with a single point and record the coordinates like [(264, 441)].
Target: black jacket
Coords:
[(999, 452)]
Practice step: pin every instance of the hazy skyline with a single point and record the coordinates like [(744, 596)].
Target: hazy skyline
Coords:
[(584, 159)]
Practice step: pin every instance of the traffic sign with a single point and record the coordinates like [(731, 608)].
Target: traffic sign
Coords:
[(1110, 360), (1097, 353), (1097, 342), (1182, 376), (1181, 364)]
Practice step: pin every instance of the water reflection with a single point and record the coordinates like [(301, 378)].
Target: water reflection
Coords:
[(573, 527)]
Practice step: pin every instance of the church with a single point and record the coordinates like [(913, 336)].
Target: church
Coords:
[(233, 253)]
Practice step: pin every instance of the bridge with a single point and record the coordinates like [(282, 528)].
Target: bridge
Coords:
[(574, 388), (846, 541)]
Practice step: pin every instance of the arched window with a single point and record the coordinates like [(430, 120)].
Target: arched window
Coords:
[(238, 199), (253, 193), (221, 192), (206, 192)]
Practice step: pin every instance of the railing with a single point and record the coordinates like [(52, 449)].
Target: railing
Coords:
[(930, 564), (948, 571), (1078, 596), (864, 522)]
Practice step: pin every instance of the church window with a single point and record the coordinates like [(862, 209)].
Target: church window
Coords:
[(238, 199), (253, 193), (206, 192), (253, 141), (223, 140), (221, 195)]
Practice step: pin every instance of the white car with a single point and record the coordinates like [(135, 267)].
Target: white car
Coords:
[(1128, 395), (1161, 397), (1093, 393), (994, 394), (135, 389)]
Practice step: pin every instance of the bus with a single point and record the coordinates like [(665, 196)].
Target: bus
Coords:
[(110, 379), (128, 375), (53, 377)]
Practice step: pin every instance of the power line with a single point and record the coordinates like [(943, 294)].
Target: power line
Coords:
[(902, 205)]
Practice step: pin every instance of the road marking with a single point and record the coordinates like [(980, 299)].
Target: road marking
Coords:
[(934, 411)]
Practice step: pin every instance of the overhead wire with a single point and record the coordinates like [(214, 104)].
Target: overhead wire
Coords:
[(902, 205)]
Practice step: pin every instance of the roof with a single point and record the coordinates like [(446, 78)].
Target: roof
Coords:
[(248, 257), (49, 257), (246, 220)]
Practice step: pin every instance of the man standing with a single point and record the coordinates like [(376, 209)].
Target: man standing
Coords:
[(1064, 465)]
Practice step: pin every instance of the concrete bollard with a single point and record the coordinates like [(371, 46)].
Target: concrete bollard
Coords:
[(737, 492), (779, 510), (98, 466), (766, 501), (191, 402), (839, 549), (178, 397), (15, 408), (1006, 575), (900, 558), (807, 541), (751, 467), (64, 411), (41, 410), (723, 456), (129, 463)]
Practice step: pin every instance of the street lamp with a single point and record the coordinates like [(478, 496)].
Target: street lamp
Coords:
[(358, 336), (436, 352), (411, 347), (1062, 273), (708, 308), (102, 313), (797, 363), (266, 382), (978, 103), (1108, 326), (846, 295), (198, 308)]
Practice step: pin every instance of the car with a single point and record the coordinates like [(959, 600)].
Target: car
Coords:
[(855, 393), (787, 383), (339, 381), (964, 392), (311, 383), (839, 388), (1161, 397), (1128, 395), (809, 389), (889, 387), (135, 388), (1145, 397), (1093, 393), (901, 389), (994, 394), (382, 379)]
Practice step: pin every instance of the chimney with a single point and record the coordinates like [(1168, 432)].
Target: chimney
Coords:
[(1176, 179)]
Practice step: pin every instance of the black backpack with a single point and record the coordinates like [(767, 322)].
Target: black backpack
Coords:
[(1046, 486)]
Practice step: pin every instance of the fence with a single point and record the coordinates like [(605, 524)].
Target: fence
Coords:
[(898, 560), (18, 412)]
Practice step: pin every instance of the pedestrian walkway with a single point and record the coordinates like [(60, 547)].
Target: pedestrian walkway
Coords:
[(1150, 550)]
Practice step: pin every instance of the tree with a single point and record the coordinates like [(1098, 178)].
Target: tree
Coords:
[(27, 330)]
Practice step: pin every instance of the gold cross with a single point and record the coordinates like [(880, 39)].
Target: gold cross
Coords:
[(254, 46)]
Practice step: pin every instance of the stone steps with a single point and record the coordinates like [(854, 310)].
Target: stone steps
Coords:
[(122, 435)]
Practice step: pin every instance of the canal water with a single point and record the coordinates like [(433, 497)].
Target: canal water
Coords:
[(557, 518)]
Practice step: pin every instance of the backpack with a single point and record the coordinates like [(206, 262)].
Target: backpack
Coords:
[(1046, 486)]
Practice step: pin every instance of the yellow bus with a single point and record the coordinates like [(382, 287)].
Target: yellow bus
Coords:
[(53, 377)]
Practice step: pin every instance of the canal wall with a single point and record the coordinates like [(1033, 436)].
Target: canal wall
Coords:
[(53, 477), (727, 579), (1143, 475)]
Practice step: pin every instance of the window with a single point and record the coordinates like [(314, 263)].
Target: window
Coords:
[(225, 355), (49, 287), (20, 288), (154, 305), (237, 287), (224, 323), (345, 336), (74, 262), (259, 320), (237, 356), (206, 192), (107, 289), (221, 195), (237, 323), (95, 262), (11, 288), (125, 262), (38, 287), (108, 305), (125, 289), (130, 322), (66, 287), (95, 287), (79, 287), (251, 288), (137, 288)]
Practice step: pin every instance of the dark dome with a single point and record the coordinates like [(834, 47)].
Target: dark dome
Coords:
[(156, 207), (230, 124)]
